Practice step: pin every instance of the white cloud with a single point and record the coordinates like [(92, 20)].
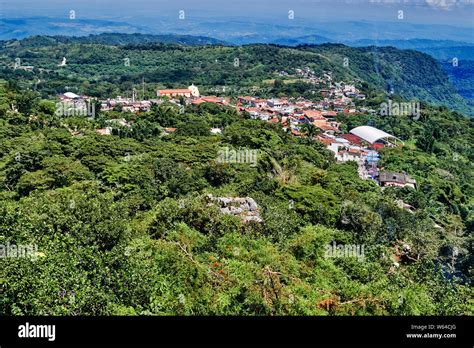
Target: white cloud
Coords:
[(448, 4)]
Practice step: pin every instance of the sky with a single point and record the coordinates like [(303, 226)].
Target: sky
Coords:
[(449, 12), (245, 21)]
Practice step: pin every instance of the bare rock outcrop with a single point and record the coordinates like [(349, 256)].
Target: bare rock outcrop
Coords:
[(244, 207)]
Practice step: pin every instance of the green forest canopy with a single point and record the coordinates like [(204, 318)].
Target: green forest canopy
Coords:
[(123, 227)]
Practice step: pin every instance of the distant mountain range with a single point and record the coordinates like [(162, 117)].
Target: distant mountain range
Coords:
[(26, 27), (440, 41), (118, 39), (439, 49), (241, 30), (303, 40)]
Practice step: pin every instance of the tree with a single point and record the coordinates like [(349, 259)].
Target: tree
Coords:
[(193, 127), (310, 130)]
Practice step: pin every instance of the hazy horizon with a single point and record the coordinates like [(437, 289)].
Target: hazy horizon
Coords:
[(447, 12), (246, 21)]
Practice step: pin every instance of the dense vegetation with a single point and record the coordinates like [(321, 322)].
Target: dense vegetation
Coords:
[(122, 226), (98, 69), (462, 76), (114, 39)]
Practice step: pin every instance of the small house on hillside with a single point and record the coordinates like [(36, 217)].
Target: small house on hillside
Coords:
[(396, 179)]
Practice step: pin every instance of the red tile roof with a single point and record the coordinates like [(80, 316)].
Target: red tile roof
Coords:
[(330, 113), (174, 91), (354, 139), (325, 141), (324, 125), (377, 146), (316, 114)]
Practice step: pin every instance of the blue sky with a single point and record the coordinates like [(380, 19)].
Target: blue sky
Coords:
[(451, 12), (244, 21)]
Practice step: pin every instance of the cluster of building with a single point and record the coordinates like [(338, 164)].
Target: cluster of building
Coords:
[(127, 104), (189, 95), (292, 114), (295, 115), (361, 145), (71, 104)]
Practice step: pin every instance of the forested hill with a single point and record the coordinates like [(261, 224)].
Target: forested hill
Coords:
[(114, 39), (410, 74)]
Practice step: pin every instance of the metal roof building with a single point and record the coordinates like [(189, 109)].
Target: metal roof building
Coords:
[(371, 134)]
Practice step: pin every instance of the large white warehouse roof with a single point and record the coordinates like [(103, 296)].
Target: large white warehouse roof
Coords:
[(370, 134), (71, 95)]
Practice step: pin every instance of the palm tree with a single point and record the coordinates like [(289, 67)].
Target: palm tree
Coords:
[(309, 129), (283, 173)]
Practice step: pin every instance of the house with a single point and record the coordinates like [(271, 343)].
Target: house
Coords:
[(353, 139), (314, 114), (326, 126), (174, 93), (287, 109), (325, 140), (350, 89), (247, 100), (128, 108), (275, 103), (329, 113), (304, 104), (402, 205), (259, 103), (191, 91), (198, 101), (396, 179), (351, 154), (215, 100), (377, 146), (337, 143)]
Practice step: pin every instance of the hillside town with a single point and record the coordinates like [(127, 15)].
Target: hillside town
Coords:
[(298, 116)]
